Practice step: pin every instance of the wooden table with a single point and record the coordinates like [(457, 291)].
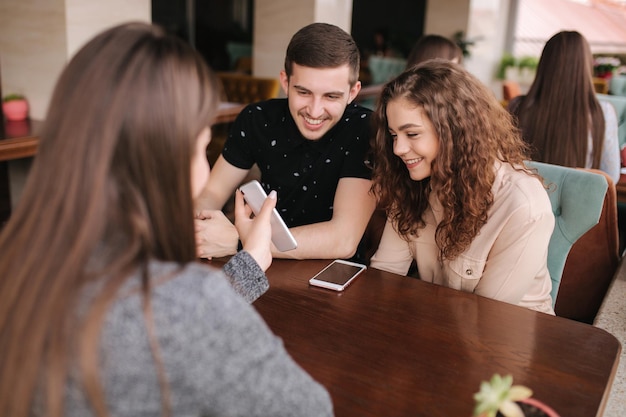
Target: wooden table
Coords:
[(370, 91), (20, 139), (368, 95), (228, 112), (397, 346)]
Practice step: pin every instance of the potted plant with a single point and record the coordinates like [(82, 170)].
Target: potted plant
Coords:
[(520, 69), (507, 61), (527, 68), (500, 398), (603, 66), (15, 107), (463, 43)]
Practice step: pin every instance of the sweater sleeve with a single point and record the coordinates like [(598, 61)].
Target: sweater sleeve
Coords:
[(246, 276)]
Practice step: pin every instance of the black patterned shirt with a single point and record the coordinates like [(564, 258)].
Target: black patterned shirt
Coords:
[(304, 173)]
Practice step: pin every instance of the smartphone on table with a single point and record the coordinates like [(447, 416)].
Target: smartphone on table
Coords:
[(337, 275), (255, 195)]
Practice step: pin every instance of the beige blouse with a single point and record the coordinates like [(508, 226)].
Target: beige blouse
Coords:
[(506, 261)]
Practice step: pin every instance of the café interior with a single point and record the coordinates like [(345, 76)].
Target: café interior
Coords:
[(575, 361)]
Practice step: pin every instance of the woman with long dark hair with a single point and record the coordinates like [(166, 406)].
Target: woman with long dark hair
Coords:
[(103, 307), (561, 117)]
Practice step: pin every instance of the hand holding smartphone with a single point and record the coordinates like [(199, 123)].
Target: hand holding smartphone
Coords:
[(337, 275), (254, 195)]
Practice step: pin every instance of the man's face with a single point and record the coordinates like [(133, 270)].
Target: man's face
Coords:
[(318, 97)]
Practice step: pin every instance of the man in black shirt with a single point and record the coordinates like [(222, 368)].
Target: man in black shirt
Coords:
[(310, 147)]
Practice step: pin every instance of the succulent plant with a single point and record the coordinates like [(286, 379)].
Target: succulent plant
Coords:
[(500, 394)]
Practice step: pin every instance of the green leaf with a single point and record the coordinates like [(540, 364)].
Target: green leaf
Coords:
[(510, 409), (519, 392), (12, 97), (500, 394)]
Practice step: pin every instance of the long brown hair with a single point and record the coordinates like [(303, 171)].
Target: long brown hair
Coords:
[(109, 190), (474, 132), (561, 107), (434, 46)]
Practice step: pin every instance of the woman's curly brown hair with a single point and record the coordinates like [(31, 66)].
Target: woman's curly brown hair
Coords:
[(474, 131)]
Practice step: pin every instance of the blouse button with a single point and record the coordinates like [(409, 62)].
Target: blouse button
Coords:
[(468, 272)]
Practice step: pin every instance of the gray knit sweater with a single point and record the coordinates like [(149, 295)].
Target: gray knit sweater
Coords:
[(220, 358)]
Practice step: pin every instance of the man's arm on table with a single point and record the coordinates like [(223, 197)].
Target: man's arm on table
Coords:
[(223, 181), (216, 236), (339, 237)]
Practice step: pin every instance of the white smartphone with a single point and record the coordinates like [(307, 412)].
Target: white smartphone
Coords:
[(255, 195), (337, 275)]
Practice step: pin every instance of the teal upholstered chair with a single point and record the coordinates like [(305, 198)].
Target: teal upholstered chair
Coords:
[(236, 51), (619, 103), (617, 85), (592, 264), (383, 68), (577, 197)]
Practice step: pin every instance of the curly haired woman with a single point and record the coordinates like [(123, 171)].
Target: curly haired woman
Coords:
[(448, 169)]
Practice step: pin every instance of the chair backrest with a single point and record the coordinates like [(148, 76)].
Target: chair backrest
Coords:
[(619, 103), (617, 85), (243, 88), (510, 90), (383, 68), (238, 50), (601, 85), (577, 197), (591, 264)]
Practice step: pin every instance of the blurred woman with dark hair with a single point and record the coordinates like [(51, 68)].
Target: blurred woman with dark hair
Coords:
[(434, 46), (561, 117)]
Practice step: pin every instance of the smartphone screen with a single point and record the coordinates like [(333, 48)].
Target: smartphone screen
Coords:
[(337, 275)]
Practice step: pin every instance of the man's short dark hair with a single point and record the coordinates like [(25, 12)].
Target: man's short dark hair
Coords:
[(322, 45)]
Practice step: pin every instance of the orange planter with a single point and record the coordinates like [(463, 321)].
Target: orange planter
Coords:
[(15, 109), (542, 406), (535, 403)]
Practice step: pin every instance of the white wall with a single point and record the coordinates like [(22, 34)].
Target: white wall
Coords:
[(86, 18), (488, 26), (337, 12), (446, 17), (486, 22), (37, 38), (275, 22), (32, 49)]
